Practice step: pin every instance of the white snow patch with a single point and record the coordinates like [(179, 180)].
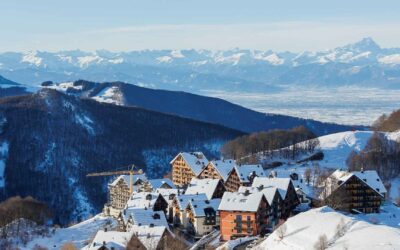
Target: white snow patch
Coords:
[(231, 244), (64, 86), (164, 59), (3, 156), (177, 54), (391, 59), (48, 158), (85, 61), (233, 59), (199, 63), (65, 58), (304, 229), (79, 234), (111, 95), (116, 60), (86, 123), (273, 59), (31, 58)]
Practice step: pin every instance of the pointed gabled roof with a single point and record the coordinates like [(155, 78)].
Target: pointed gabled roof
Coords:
[(282, 184), (223, 167), (144, 217), (159, 183), (126, 179), (184, 199), (245, 171), (198, 206), (203, 186), (240, 202), (196, 161), (340, 177), (269, 192), (143, 200), (117, 240)]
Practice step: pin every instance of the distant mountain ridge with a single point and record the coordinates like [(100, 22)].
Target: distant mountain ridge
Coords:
[(11, 88), (363, 64), (202, 108)]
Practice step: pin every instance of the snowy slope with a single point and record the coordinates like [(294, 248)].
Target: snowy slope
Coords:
[(336, 149), (79, 234), (304, 230)]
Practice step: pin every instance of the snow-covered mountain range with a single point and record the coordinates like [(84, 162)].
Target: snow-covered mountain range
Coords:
[(363, 63)]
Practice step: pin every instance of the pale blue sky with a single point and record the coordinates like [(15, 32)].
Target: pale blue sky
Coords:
[(181, 24)]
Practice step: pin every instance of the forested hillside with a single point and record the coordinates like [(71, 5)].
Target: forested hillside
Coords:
[(193, 106), (50, 141), (268, 142)]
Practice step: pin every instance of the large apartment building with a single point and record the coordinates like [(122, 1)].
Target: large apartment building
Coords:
[(361, 191), (185, 166)]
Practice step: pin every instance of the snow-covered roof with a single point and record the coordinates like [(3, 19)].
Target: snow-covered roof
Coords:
[(161, 183), (195, 160), (184, 199), (168, 193), (269, 192), (109, 239), (282, 184), (150, 237), (224, 167), (240, 202), (126, 179), (145, 217), (202, 186), (142, 200), (369, 177), (198, 206), (245, 171)]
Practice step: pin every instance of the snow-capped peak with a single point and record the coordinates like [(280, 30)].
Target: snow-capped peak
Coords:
[(32, 58)]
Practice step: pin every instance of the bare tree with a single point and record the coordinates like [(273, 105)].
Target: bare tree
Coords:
[(341, 228), (307, 175), (398, 198), (281, 231), (322, 243)]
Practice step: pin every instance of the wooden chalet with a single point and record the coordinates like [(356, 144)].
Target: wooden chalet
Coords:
[(218, 169), (243, 176), (185, 166), (286, 190), (357, 192)]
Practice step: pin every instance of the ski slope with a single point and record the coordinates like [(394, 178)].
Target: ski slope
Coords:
[(303, 231), (79, 234)]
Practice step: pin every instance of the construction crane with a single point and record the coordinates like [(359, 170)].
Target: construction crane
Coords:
[(133, 171)]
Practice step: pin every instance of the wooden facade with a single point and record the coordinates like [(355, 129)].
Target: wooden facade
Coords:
[(210, 172), (233, 183), (219, 190), (182, 173), (355, 196), (290, 201)]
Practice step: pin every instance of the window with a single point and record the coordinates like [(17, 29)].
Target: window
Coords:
[(248, 224), (239, 223)]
